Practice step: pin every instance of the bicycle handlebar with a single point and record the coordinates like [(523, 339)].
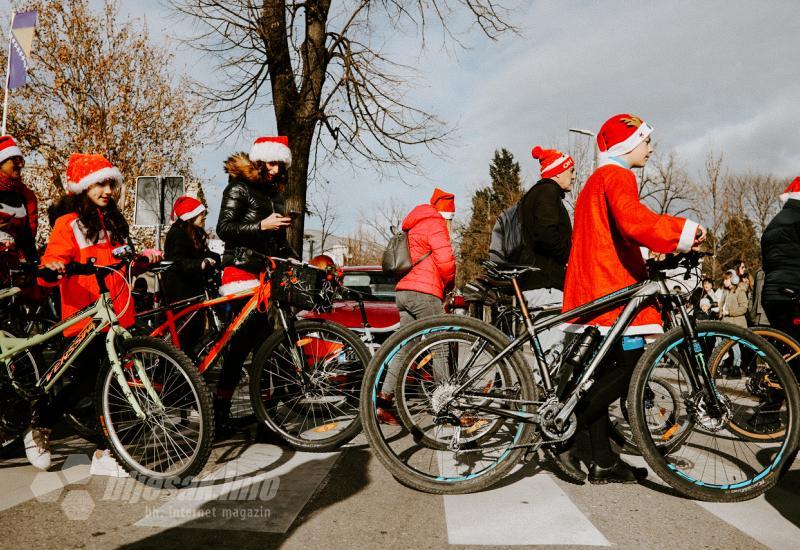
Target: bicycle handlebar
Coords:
[(77, 268), (689, 260)]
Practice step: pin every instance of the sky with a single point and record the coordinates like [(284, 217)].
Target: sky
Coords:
[(716, 76)]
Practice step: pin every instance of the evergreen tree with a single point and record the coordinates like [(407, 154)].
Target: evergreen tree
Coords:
[(739, 242), (487, 204)]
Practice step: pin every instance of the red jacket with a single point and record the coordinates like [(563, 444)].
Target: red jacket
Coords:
[(68, 244), (427, 232), (611, 225), (18, 215)]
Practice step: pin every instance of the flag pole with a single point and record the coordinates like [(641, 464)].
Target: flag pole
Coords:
[(8, 70)]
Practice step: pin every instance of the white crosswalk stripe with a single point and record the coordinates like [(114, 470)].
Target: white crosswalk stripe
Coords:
[(530, 511), (247, 493)]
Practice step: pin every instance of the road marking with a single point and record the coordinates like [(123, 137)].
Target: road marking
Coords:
[(237, 497), (22, 482), (531, 511), (760, 519)]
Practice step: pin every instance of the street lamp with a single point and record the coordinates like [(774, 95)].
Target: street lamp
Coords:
[(594, 144)]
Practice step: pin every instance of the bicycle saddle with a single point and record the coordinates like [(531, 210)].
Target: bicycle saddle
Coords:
[(9, 292), (505, 271)]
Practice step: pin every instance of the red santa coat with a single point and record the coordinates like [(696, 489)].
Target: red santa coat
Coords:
[(67, 244), (611, 225)]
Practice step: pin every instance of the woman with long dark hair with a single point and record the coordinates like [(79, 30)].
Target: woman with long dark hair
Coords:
[(87, 223), (186, 246)]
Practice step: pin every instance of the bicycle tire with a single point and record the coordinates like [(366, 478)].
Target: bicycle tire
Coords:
[(670, 467), (380, 443), (28, 380), (271, 383), (195, 397), (401, 388)]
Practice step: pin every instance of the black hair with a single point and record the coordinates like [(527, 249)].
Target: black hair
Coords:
[(89, 214), (197, 235)]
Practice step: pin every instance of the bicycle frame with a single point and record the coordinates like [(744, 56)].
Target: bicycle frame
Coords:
[(102, 316), (635, 296)]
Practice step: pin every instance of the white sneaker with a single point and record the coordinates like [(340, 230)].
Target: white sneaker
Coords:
[(37, 448), (103, 464)]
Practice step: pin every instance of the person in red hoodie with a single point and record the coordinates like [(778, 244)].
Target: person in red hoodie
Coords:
[(420, 293), (89, 224), (611, 226)]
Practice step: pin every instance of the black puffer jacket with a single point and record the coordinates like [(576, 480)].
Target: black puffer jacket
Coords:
[(185, 278), (780, 250), (547, 234), (245, 202)]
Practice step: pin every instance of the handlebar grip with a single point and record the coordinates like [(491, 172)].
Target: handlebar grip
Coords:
[(49, 275)]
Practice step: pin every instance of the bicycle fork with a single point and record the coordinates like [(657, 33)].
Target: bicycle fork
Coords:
[(119, 374)]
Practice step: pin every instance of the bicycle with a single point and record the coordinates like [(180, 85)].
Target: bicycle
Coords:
[(154, 409), (306, 377), (295, 350), (482, 414)]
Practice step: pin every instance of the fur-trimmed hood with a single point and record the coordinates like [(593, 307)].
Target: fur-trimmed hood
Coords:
[(238, 166)]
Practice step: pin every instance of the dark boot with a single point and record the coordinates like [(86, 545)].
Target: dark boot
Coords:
[(565, 463), (620, 472), (223, 426)]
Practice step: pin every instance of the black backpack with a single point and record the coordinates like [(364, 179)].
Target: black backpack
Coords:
[(397, 256), (508, 240)]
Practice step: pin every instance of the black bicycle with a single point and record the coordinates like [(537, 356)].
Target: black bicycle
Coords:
[(471, 408)]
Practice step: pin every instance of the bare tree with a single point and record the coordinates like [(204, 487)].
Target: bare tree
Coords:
[(666, 187), (322, 207), (761, 198), (362, 248), (582, 152), (382, 216), (97, 84), (320, 69), (710, 196)]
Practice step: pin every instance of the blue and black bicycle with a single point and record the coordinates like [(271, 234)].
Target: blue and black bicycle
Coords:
[(472, 405)]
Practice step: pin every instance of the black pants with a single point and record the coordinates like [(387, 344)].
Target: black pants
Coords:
[(248, 339), (78, 384), (781, 316), (611, 383)]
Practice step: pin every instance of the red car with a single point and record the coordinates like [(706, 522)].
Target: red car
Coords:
[(381, 311)]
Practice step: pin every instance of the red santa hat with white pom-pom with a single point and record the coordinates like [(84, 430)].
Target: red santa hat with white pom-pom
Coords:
[(186, 208), (621, 134), (271, 149), (85, 170), (552, 161), (793, 191)]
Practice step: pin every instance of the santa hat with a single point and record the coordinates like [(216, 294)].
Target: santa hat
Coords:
[(8, 148), (85, 170), (552, 161), (444, 202), (621, 134), (186, 208), (793, 191), (236, 280), (271, 149)]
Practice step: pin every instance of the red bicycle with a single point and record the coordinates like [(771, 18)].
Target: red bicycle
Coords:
[(303, 382)]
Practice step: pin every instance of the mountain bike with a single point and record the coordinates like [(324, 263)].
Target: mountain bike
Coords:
[(475, 410), (154, 409)]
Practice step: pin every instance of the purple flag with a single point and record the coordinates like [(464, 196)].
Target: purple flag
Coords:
[(19, 51)]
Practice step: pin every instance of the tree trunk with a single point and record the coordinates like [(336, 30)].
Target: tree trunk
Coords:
[(300, 143)]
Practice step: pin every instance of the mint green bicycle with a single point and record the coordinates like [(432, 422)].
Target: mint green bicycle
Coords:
[(153, 407)]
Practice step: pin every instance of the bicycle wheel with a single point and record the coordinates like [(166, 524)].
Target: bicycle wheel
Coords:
[(306, 388), (15, 411), (667, 419), (715, 462), (430, 364), (468, 444), (173, 443)]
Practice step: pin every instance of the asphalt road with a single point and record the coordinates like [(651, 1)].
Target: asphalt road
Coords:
[(259, 494)]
